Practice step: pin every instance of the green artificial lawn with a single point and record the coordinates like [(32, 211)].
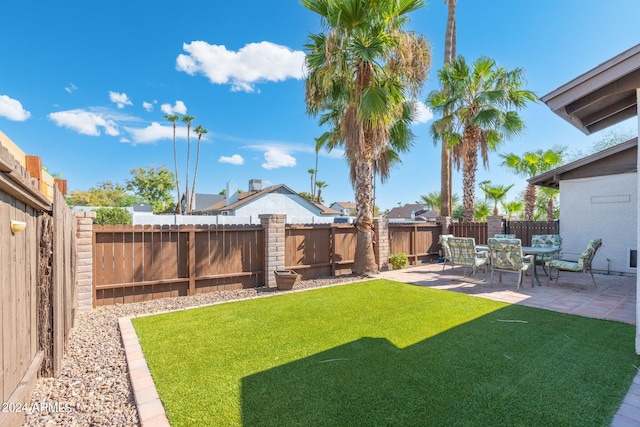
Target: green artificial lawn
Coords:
[(386, 353)]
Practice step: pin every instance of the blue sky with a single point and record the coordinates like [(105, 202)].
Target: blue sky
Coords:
[(85, 85)]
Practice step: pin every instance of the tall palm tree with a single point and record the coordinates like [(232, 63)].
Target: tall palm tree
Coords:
[(320, 185), (530, 164), (312, 173), (188, 120), (362, 70), (481, 211), (173, 118), (479, 107), (496, 193), (449, 54), (546, 202), (199, 130)]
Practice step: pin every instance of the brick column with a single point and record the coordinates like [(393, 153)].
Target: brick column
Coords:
[(494, 225), (273, 225), (381, 248), (84, 260)]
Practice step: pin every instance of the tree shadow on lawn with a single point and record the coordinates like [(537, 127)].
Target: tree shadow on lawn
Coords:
[(555, 369)]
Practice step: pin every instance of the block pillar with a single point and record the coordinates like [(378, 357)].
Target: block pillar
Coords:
[(382, 247), (84, 259), (273, 225), (494, 225)]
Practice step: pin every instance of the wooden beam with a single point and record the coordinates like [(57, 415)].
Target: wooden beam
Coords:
[(610, 110)]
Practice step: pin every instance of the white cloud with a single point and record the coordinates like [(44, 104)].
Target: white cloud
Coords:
[(120, 99), (276, 158), (147, 106), (71, 88), (178, 108), (423, 113), (85, 122), (254, 63), (12, 109), (236, 159), (156, 132)]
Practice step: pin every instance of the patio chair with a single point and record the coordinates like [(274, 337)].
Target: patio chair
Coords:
[(546, 241), (446, 252), (504, 236), (506, 255), (464, 253), (582, 264)]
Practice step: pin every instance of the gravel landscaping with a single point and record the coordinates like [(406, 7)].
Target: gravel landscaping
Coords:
[(93, 387)]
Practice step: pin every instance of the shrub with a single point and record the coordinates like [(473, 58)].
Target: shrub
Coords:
[(112, 216), (399, 261)]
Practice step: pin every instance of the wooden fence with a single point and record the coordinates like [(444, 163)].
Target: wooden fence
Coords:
[(525, 229), (418, 241), (36, 284), (140, 263)]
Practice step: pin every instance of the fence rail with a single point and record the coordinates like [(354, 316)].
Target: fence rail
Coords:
[(418, 241)]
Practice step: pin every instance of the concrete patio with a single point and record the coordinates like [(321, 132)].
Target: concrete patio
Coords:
[(613, 299)]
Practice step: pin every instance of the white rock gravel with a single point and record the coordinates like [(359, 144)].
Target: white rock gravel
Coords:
[(93, 388)]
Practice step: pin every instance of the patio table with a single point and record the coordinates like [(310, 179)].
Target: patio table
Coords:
[(530, 250)]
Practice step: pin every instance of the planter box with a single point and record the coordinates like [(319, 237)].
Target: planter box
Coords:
[(285, 279)]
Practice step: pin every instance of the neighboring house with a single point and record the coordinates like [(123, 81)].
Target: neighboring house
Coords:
[(276, 199), (599, 198), (411, 212), (346, 208), (203, 201)]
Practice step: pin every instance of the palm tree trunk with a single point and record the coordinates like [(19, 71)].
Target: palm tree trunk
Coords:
[(186, 190), (470, 167), (195, 174), (529, 202), (175, 161), (364, 258), (550, 213), (445, 171)]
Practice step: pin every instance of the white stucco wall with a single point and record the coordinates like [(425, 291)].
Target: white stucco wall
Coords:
[(276, 203), (604, 207)]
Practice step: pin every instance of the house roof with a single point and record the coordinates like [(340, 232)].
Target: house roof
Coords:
[(345, 205), (601, 97), (247, 196), (620, 158), (203, 201), (405, 211)]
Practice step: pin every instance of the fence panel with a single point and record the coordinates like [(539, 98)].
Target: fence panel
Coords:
[(418, 241), (525, 229), (141, 263), (477, 230)]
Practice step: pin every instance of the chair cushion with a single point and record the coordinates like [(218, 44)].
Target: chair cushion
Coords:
[(565, 265)]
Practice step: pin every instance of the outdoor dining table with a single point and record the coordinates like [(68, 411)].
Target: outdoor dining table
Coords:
[(531, 250)]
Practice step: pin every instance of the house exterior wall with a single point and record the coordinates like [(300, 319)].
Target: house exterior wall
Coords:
[(604, 207), (276, 203)]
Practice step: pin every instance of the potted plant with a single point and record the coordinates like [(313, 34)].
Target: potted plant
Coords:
[(285, 279)]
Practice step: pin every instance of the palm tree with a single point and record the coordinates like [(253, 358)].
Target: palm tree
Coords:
[(497, 193), (512, 208), (529, 165), (482, 210), (187, 120), (449, 54), (546, 202), (320, 142), (199, 130), (312, 173), (173, 118), (362, 70), (320, 185), (433, 200), (479, 107)]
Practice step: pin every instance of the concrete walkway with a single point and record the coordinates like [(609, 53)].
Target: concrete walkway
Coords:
[(613, 299)]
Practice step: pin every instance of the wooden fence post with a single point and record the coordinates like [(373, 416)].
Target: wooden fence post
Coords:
[(192, 262), (274, 245)]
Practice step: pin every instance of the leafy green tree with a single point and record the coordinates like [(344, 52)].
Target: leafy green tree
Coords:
[(496, 193), (482, 210), (362, 71), (112, 216), (307, 196), (479, 107), (173, 118), (512, 208), (609, 139), (529, 165), (547, 204), (104, 194), (433, 200), (153, 185)]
